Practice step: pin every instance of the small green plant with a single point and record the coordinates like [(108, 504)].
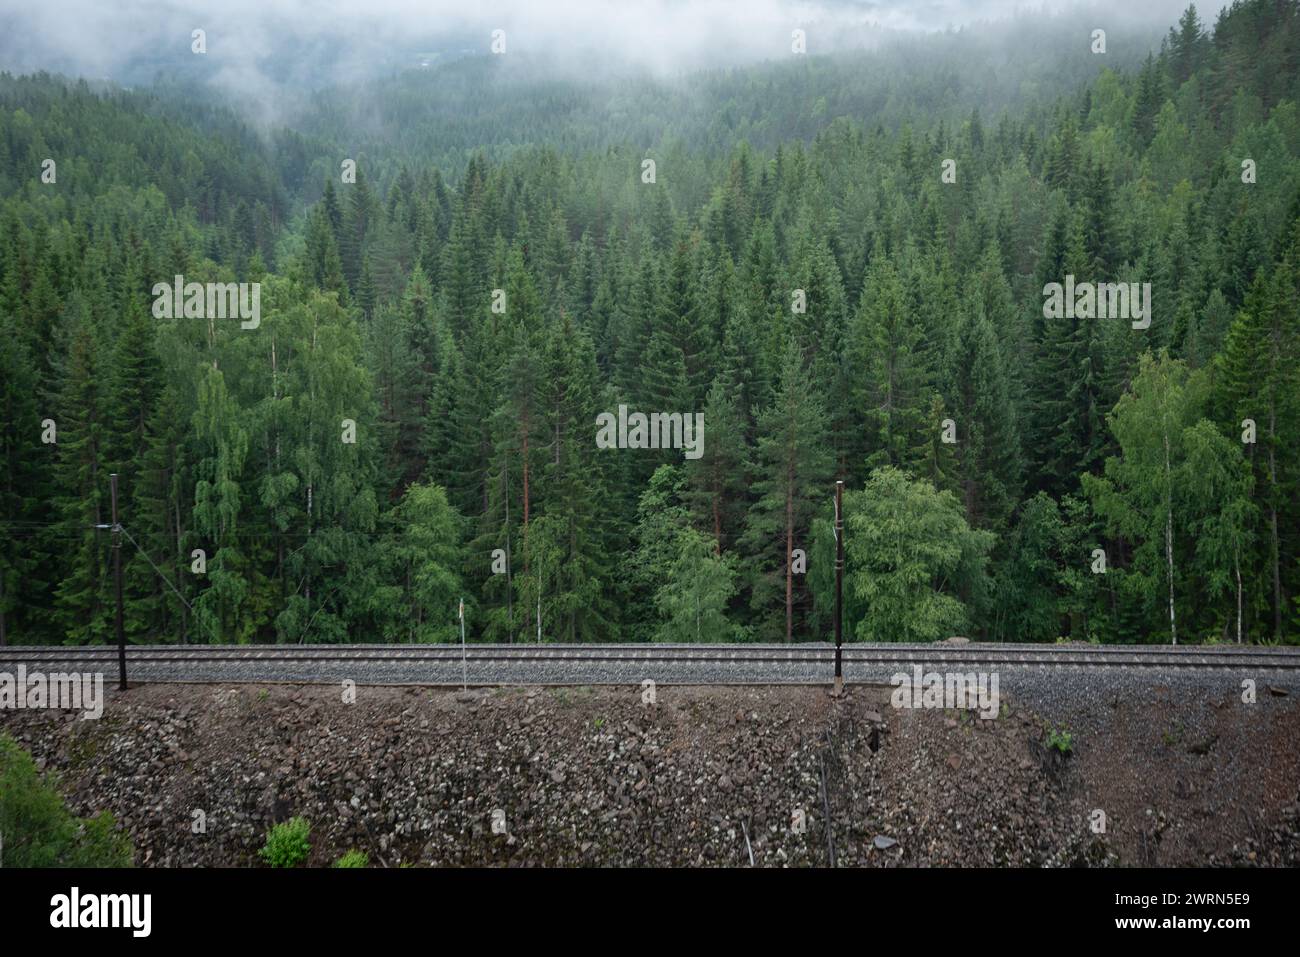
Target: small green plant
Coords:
[(38, 830), (353, 858), (1061, 740), (600, 723), (286, 844), (263, 694)]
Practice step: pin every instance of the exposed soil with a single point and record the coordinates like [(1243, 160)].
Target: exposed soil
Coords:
[(707, 776)]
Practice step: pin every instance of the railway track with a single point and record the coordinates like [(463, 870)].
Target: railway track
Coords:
[(619, 664)]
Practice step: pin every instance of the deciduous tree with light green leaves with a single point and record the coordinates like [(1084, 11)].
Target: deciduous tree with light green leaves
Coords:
[(1137, 496), (909, 554), (692, 601), (685, 584), (420, 559), (1217, 485)]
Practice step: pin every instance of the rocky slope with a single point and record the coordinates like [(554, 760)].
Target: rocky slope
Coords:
[(706, 776)]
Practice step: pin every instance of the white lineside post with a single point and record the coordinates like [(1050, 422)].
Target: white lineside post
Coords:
[(464, 665)]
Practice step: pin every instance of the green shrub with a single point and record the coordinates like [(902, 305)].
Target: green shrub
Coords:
[(353, 858), (286, 844), (1063, 741), (38, 830)]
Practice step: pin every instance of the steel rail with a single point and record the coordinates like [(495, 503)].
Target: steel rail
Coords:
[(1089, 656)]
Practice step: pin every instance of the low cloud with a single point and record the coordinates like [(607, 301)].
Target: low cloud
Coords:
[(259, 45)]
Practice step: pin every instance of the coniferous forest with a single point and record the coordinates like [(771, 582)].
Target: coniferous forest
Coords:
[(838, 261)]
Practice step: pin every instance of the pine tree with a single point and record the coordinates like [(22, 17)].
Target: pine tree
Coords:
[(572, 486), (323, 267), (1100, 235), (81, 597), (718, 483), (1186, 45), (1067, 393), (24, 471), (362, 213), (1146, 104), (792, 470), (987, 440), (1260, 381), (396, 373), (158, 576), (421, 556), (674, 366), (887, 354)]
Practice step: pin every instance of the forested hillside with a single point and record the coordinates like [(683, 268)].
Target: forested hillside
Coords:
[(841, 267), (495, 105)]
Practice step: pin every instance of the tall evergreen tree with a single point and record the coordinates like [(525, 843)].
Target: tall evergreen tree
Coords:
[(792, 469)]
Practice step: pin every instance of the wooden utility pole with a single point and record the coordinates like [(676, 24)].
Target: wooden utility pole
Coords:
[(117, 585)]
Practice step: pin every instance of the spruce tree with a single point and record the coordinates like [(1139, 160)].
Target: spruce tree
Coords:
[(792, 469)]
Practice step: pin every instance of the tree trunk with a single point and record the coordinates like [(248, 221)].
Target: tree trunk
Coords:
[(510, 597), (717, 523), (1277, 554), (1169, 542), (525, 475), (524, 425), (180, 550)]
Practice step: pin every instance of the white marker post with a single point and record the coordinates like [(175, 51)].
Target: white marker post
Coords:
[(464, 667)]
